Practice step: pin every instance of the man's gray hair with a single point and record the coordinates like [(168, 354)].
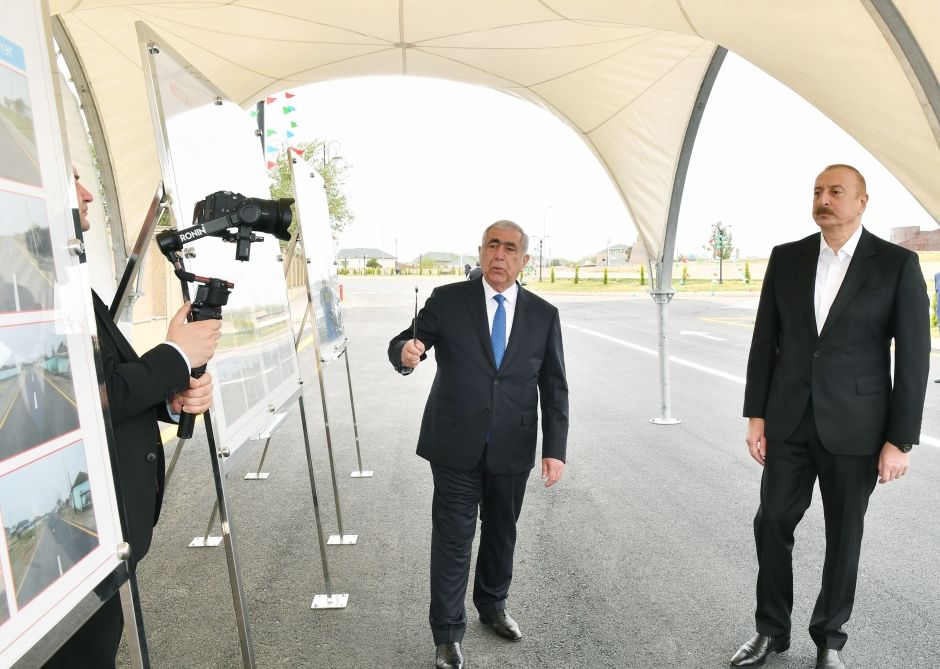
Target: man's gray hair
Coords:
[(508, 225)]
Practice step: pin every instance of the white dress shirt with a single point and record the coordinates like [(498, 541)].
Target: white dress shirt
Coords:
[(511, 294), (830, 272)]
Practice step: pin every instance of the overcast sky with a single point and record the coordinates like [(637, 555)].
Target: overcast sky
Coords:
[(432, 162)]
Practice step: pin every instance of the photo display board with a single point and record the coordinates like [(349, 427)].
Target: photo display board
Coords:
[(60, 526), (314, 213), (207, 144)]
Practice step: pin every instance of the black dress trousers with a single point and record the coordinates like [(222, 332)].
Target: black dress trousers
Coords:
[(457, 496), (845, 483)]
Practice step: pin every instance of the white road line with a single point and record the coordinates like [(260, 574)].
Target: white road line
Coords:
[(704, 335), (924, 439)]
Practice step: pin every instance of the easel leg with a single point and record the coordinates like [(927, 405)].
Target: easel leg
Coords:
[(359, 473)]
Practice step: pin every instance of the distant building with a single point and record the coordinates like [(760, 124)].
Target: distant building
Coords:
[(444, 260), (913, 238), (619, 255), (356, 259), (80, 495)]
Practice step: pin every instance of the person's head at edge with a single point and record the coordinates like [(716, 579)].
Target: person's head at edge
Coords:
[(840, 196), (503, 254), (84, 198)]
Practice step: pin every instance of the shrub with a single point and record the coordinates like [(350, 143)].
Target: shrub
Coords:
[(577, 271), (605, 276), (551, 275), (642, 275)]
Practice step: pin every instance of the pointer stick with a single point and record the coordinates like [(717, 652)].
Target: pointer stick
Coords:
[(414, 326)]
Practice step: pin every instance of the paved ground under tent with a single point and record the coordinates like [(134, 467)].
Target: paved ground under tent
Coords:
[(642, 556)]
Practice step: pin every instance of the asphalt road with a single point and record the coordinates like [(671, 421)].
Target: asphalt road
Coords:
[(20, 157), (41, 408), (641, 557), (34, 284), (61, 545)]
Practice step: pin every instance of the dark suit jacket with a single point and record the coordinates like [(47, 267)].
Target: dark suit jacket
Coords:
[(846, 369), (471, 401), (137, 389)]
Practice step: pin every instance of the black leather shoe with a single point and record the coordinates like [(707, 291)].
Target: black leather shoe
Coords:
[(827, 658), (503, 623), (449, 657), (756, 651)]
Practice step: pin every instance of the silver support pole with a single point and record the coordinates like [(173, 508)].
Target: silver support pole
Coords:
[(661, 273), (359, 473), (330, 600), (228, 533), (662, 299), (172, 466), (134, 625), (208, 541), (260, 475)]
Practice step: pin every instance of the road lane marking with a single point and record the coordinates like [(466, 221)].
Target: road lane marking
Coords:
[(924, 439), (738, 321), (7, 412), (29, 563), (79, 527), (61, 392), (703, 335), (653, 352), (59, 560)]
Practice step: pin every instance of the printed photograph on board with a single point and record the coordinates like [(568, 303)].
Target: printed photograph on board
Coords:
[(48, 518), (4, 606), (37, 398), (26, 268), (19, 157)]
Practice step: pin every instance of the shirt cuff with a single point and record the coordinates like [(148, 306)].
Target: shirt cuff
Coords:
[(175, 417), (185, 357)]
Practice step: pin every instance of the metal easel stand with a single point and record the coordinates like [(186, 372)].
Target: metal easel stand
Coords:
[(265, 434), (228, 536), (341, 539), (359, 473), (329, 600)]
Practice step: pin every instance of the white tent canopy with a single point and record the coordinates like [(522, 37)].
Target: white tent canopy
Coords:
[(630, 76)]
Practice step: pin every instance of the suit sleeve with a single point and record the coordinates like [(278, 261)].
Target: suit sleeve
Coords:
[(765, 344), (428, 320), (135, 387), (910, 322), (553, 394)]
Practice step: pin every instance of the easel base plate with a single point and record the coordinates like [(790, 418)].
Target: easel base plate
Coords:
[(256, 476), (344, 540), (203, 542), (364, 474), (329, 601)]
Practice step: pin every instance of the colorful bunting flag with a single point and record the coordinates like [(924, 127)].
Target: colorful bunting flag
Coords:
[(253, 114), (272, 149), (271, 131), (288, 109), (293, 124), (270, 165), (270, 101), (289, 134), (299, 152), (288, 95)]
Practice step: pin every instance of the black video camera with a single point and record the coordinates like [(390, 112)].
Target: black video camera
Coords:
[(224, 210)]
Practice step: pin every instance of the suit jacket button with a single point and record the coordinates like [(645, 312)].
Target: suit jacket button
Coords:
[(151, 457), (496, 382), (817, 354), (486, 411)]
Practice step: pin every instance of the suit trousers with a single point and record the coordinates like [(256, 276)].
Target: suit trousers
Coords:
[(457, 496), (845, 484)]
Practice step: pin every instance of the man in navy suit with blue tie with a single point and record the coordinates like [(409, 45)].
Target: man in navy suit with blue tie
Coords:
[(499, 356)]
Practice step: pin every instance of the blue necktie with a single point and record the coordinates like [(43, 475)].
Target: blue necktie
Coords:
[(498, 335)]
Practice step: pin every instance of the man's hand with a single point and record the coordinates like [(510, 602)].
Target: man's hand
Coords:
[(552, 469), (195, 400), (892, 463), (411, 353), (198, 340), (756, 442)]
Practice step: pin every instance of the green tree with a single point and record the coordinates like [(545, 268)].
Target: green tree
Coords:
[(642, 275), (685, 275), (333, 173), (551, 275), (747, 272), (577, 271), (722, 246), (374, 265), (605, 276)]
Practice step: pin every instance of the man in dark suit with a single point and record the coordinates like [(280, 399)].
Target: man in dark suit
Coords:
[(499, 355), (821, 402), (140, 391)]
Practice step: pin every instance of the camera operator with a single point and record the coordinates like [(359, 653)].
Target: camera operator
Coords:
[(140, 391)]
